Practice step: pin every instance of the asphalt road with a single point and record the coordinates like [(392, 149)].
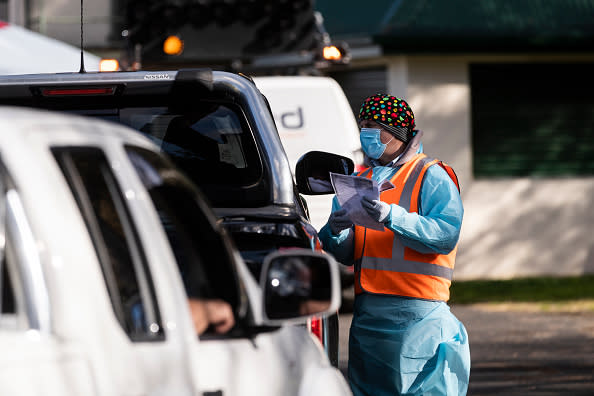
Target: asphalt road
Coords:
[(520, 352)]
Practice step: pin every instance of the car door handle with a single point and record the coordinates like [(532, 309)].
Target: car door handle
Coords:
[(213, 393)]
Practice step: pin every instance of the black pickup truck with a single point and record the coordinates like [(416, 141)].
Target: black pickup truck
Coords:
[(217, 127)]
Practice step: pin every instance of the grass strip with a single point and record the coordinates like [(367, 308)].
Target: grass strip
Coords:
[(567, 307), (542, 289)]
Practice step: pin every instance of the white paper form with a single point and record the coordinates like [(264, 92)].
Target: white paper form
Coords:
[(349, 191)]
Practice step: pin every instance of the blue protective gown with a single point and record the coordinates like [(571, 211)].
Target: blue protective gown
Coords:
[(401, 345)]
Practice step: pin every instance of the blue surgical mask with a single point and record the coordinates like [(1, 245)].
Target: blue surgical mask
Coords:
[(371, 142)]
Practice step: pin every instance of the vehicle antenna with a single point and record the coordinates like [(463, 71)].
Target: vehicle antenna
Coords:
[(82, 59)]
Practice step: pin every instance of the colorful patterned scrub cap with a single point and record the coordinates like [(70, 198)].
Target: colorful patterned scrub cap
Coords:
[(393, 113)]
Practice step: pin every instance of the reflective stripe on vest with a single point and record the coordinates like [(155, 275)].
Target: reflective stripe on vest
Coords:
[(383, 265)]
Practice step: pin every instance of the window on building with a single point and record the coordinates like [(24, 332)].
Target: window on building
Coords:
[(532, 120)]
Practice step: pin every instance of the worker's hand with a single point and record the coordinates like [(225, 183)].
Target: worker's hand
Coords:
[(378, 210), (339, 220)]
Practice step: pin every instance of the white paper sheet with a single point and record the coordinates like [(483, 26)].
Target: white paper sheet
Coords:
[(349, 191)]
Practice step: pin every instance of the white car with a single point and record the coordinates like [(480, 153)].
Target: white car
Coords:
[(102, 243)]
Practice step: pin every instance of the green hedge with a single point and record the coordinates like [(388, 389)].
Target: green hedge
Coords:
[(523, 290)]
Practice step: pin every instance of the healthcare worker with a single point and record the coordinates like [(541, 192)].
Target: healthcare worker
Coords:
[(403, 338)]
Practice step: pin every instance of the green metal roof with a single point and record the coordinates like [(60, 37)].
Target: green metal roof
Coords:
[(464, 25)]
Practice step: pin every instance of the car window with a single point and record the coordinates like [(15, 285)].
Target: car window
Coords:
[(24, 302), (115, 239), (201, 250), (6, 290), (211, 142), (12, 317), (213, 136), (8, 309)]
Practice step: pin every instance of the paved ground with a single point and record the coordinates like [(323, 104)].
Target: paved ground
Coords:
[(521, 352)]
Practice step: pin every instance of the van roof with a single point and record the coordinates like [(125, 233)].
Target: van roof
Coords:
[(296, 81)]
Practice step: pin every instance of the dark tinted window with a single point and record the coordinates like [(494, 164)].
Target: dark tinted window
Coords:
[(211, 143), (7, 302), (14, 313), (198, 244), (117, 244), (208, 143), (211, 137)]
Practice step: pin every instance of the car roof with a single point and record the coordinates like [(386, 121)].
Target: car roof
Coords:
[(89, 76), (17, 124), (136, 78)]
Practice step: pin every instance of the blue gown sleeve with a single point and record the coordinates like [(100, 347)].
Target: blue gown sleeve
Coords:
[(436, 228), (341, 245)]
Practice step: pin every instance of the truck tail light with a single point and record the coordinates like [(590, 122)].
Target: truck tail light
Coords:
[(315, 326), (93, 91)]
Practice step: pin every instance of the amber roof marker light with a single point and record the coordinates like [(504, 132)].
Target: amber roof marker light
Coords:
[(173, 45), (331, 52)]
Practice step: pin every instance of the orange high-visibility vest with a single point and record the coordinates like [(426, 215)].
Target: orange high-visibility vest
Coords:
[(383, 265)]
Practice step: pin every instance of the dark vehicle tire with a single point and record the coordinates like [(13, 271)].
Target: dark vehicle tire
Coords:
[(333, 339)]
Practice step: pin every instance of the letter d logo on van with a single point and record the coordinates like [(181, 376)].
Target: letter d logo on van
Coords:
[(292, 120)]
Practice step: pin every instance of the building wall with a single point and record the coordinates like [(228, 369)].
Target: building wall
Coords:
[(512, 227), (60, 19)]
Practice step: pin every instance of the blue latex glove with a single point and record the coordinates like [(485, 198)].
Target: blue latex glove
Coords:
[(339, 221), (378, 210)]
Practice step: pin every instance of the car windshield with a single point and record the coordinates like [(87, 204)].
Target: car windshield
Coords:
[(212, 144)]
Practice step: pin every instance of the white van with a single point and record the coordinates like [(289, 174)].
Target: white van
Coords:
[(312, 113), (25, 52)]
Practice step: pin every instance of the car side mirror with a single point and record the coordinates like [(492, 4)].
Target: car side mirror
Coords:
[(297, 284), (312, 171)]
